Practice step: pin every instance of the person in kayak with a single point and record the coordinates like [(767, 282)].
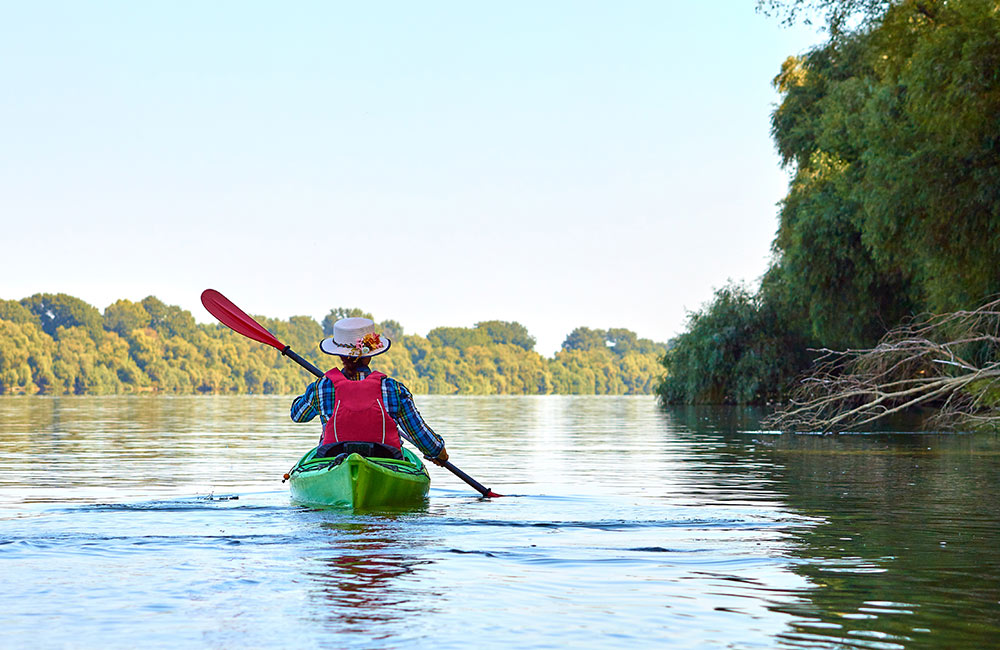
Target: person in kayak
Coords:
[(362, 410)]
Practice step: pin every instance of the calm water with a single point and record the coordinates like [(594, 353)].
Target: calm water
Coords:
[(163, 522)]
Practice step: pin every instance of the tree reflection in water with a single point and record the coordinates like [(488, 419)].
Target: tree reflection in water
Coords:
[(903, 550)]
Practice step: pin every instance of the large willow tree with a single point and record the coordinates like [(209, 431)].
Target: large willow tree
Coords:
[(892, 132), (894, 137)]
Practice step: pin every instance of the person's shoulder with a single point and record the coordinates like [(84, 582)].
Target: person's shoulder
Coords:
[(394, 383)]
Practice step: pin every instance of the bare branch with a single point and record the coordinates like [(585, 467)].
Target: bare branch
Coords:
[(950, 361)]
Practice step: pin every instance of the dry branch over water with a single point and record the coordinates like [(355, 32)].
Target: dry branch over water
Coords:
[(949, 361)]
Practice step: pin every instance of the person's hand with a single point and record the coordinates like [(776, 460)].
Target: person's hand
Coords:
[(440, 458)]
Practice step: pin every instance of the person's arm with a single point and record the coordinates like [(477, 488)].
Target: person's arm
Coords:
[(306, 406), (412, 425)]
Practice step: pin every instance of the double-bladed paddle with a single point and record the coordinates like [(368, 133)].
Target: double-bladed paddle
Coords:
[(237, 320)]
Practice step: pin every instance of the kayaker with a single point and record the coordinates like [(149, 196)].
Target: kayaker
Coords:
[(362, 410)]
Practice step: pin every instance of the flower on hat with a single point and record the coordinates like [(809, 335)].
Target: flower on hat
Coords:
[(366, 344)]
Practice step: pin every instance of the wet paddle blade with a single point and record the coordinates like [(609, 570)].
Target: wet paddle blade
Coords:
[(236, 319)]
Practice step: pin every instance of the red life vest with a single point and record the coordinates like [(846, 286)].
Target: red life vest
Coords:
[(358, 412)]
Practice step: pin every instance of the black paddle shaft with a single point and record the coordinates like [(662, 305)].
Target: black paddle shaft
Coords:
[(302, 362), (485, 491)]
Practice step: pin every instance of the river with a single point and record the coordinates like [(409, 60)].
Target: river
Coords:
[(150, 521)]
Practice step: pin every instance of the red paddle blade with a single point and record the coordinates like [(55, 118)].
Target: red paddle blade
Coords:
[(236, 319)]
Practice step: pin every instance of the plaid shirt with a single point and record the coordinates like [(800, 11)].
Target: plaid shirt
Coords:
[(318, 400)]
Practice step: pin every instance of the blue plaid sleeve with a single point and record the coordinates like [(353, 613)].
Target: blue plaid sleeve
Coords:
[(306, 406), (399, 403), (317, 400)]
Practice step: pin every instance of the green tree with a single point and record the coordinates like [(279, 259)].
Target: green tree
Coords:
[(168, 320), (892, 132), (398, 363), (931, 183), (622, 341), (61, 310), (619, 340), (391, 329), (458, 337), (736, 350), (820, 247), (504, 332), (302, 333), (123, 316), (584, 338), (14, 312), (25, 358), (831, 273)]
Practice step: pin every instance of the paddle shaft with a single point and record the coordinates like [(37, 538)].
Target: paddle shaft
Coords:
[(485, 491), (288, 352)]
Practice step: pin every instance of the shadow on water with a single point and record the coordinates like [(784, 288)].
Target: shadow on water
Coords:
[(903, 553)]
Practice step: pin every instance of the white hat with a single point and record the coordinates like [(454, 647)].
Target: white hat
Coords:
[(355, 337)]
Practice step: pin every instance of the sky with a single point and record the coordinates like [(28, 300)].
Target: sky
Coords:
[(558, 164)]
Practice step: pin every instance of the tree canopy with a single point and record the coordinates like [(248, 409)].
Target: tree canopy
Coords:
[(60, 310), (488, 332), (736, 350), (57, 344)]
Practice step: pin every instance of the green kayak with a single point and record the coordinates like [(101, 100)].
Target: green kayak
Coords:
[(353, 481)]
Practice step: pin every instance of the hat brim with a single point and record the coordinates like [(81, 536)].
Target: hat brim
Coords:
[(328, 346)]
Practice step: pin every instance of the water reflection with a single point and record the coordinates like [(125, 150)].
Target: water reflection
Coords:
[(902, 551), (908, 544), (367, 573)]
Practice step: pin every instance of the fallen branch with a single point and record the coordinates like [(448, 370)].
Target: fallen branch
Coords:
[(948, 361)]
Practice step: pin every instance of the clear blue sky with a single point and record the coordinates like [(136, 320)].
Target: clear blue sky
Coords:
[(605, 164)]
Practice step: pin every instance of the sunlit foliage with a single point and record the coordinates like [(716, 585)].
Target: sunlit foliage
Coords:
[(58, 344), (736, 350)]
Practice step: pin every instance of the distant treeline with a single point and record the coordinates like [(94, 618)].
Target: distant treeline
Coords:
[(892, 132), (59, 344)]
